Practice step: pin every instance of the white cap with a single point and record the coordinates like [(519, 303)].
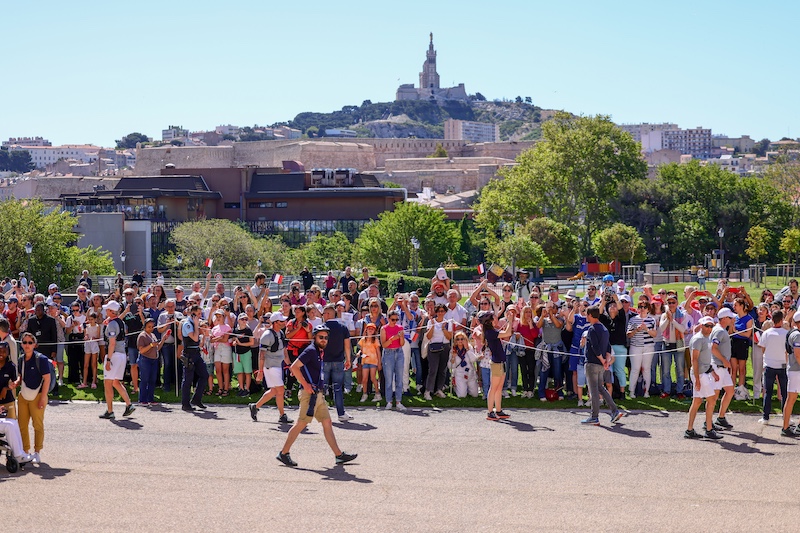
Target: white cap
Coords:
[(441, 273), (625, 298), (572, 294), (725, 313), (113, 305), (796, 317), (706, 320), (274, 317), (52, 286)]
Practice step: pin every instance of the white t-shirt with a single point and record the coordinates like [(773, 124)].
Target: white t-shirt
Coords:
[(457, 315), (774, 343)]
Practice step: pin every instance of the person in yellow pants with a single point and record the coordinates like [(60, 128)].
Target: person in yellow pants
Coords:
[(34, 377)]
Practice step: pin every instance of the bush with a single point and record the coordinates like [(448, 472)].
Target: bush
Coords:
[(412, 284)]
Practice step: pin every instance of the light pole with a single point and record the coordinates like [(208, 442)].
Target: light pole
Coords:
[(29, 251), (59, 267), (122, 258), (415, 244), (721, 233)]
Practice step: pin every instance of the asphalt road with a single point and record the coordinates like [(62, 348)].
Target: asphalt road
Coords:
[(425, 470)]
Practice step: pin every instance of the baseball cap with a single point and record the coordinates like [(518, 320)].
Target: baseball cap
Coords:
[(52, 286), (56, 295), (625, 298), (113, 305), (178, 288), (571, 294), (22, 273), (725, 313), (371, 325), (796, 317), (242, 316), (608, 277), (13, 299), (441, 273), (705, 321), (275, 317)]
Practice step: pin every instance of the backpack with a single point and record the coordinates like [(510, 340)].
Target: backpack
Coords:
[(788, 346), (50, 365), (281, 335)]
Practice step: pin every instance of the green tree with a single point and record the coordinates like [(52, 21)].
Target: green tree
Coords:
[(386, 242), (784, 175), (517, 248), (790, 243), (391, 185), (569, 176), (131, 139), (230, 246), (15, 161), (336, 249), (757, 240), (312, 131), (439, 152), (619, 243), (51, 234), (760, 148), (479, 97), (556, 239)]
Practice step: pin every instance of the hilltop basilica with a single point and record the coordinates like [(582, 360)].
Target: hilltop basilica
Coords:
[(429, 83)]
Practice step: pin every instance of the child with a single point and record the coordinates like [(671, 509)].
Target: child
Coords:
[(370, 361), (223, 355), (207, 353), (314, 317), (91, 347), (462, 365)]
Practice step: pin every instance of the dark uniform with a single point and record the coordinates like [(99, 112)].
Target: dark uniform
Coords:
[(194, 368)]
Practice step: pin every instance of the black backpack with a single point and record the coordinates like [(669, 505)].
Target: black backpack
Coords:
[(282, 336)]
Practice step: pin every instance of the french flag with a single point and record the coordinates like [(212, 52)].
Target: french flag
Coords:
[(481, 269), (209, 262), (277, 278)]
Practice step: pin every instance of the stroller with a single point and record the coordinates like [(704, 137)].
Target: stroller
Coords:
[(12, 463)]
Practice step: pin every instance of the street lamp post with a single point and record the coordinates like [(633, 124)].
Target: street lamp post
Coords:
[(122, 258), (59, 267), (721, 233), (29, 251), (415, 244)]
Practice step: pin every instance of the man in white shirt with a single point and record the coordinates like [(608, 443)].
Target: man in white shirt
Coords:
[(455, 311), (773, 341)]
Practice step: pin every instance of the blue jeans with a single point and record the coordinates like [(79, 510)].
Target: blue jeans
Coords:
[(554, 370), (148, 371), (618, 368), (486, 379), (666, 369), (333, 372), (658, 348), (393, 360), (512, 374)]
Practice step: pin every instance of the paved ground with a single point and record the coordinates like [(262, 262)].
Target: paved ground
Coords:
[(165, 470)]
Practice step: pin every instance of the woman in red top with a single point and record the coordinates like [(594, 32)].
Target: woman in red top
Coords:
[(392, 340), (298, 333), (527, 363)]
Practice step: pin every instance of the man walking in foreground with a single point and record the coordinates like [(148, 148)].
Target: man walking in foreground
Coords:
[(598, 360), (703, 378), (307, 369)]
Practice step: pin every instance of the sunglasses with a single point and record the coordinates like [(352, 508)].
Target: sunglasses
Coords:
[(322, 337), (642, 307), (27, 342), (392, 320), (506, 290), (707, 326)]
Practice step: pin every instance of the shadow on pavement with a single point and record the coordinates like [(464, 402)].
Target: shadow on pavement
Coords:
[(160, 408), (353, 426), (127, 424), (622, 430), (44, 471), (523, 426), (757, 438), (337, 473), (415, 412), (744, 447), (207, 415)]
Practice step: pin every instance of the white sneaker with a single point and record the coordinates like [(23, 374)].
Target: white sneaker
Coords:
[(427, 396), (377, 398), (440, 394), (35, 459), (347, 391), (646, 395), (363, 398), (345, 417), (505, 394), (764, 421), (359, 388), (632, 396), (542, 399), (400, 406), (514, 392), (580, 403), (60, 382), (25, 458)]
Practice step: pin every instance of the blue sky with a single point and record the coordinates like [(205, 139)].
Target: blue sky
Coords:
[(92, 71)]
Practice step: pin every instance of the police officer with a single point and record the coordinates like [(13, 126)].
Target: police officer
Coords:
[(194, 369), (307, 369)]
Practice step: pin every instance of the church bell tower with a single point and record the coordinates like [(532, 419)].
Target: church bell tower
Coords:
[(429, 78)]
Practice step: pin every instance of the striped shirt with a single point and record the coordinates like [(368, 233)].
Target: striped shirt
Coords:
[(641, 338)]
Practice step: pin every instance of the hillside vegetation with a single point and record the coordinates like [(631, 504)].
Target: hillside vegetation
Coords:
[(424, 119)]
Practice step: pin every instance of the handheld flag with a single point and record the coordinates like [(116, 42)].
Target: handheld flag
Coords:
[(482, 269), (277, 278), (209, 262)]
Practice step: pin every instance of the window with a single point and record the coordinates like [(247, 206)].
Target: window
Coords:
[(281, 204), (260, 205), (232, 205)]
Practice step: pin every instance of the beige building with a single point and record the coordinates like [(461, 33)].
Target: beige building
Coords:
[(743, 144), (478, 132)]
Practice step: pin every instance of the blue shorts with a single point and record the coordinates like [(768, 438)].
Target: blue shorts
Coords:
[(574, 358), (369, 366)]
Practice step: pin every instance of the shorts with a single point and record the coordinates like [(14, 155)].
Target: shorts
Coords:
[(582, 375), (60, 353), (724, 378), (706, 386), (739, 348), (574, 362), (243, 363), (91, 347), (273, 376), (118, 363), (133, 355), (608, 377), (321, 412), (223, 353), (793, 377), (498, 369), (369, 366)]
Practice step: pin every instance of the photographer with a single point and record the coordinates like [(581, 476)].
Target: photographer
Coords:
[(166, 322)]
